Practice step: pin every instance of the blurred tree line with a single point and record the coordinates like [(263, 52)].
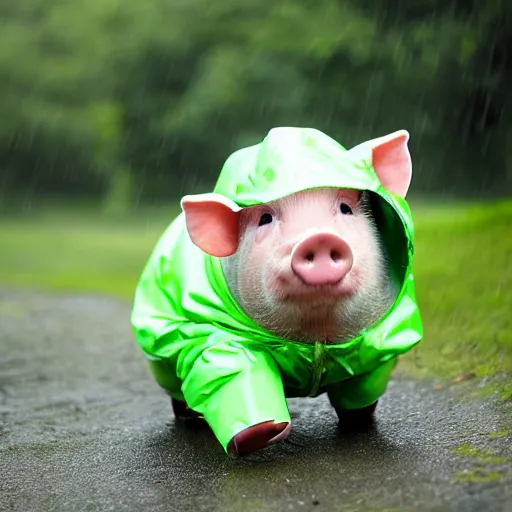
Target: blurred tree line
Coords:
[(135, 101)]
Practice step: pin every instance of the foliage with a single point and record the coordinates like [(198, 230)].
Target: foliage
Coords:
[(143, 100)]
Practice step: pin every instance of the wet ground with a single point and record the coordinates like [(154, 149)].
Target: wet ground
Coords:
[(84, 427)]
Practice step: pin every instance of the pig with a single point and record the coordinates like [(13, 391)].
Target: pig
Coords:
[(292, 278)]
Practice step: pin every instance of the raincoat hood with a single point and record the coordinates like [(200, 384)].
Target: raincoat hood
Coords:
[(183, 305), (291, 160)]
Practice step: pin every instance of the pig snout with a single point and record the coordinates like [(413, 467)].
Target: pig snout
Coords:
[(321, 259)]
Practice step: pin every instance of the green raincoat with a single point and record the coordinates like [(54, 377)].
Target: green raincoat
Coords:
[(203, 348)]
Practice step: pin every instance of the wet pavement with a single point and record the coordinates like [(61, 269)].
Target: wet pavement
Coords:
[(84, 427)]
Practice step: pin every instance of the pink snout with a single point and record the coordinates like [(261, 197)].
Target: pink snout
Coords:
[(322, 258)]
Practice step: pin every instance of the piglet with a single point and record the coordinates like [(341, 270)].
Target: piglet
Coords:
[(295, 280)]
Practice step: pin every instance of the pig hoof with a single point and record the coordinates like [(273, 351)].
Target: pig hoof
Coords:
[(183, 412), (258, 437), (354, 419)]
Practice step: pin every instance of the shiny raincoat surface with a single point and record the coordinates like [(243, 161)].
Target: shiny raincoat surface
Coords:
[(203, 348)]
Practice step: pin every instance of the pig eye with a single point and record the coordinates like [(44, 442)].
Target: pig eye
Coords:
[(345, 209), (266, 218)]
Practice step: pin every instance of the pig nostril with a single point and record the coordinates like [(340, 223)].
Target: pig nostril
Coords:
[(335, 256), (310, 256)]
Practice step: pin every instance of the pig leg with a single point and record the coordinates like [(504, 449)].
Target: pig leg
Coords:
[(165, 377), (240, 394), (355, 419), (355, 399), (182, 411)]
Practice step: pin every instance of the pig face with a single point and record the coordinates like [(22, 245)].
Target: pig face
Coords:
[(310, 266)]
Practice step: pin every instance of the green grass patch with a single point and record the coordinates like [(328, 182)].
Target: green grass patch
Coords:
[(481, 455), (485, 462), (463, 274), (463, 271), (501, 433), (478, 475), (79, 250)]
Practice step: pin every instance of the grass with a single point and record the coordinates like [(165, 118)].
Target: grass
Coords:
[(463, 272), (484, 464), (481, 455), (79, 250), (479, 475)]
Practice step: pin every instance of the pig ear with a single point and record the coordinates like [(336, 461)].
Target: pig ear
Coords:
[(391, 161), (212, 223)]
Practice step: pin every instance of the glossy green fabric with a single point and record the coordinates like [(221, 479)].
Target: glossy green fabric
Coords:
[(204, 349)]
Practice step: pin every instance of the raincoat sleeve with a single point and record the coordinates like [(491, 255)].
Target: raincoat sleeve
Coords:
[(363, 390), (232, 386)]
